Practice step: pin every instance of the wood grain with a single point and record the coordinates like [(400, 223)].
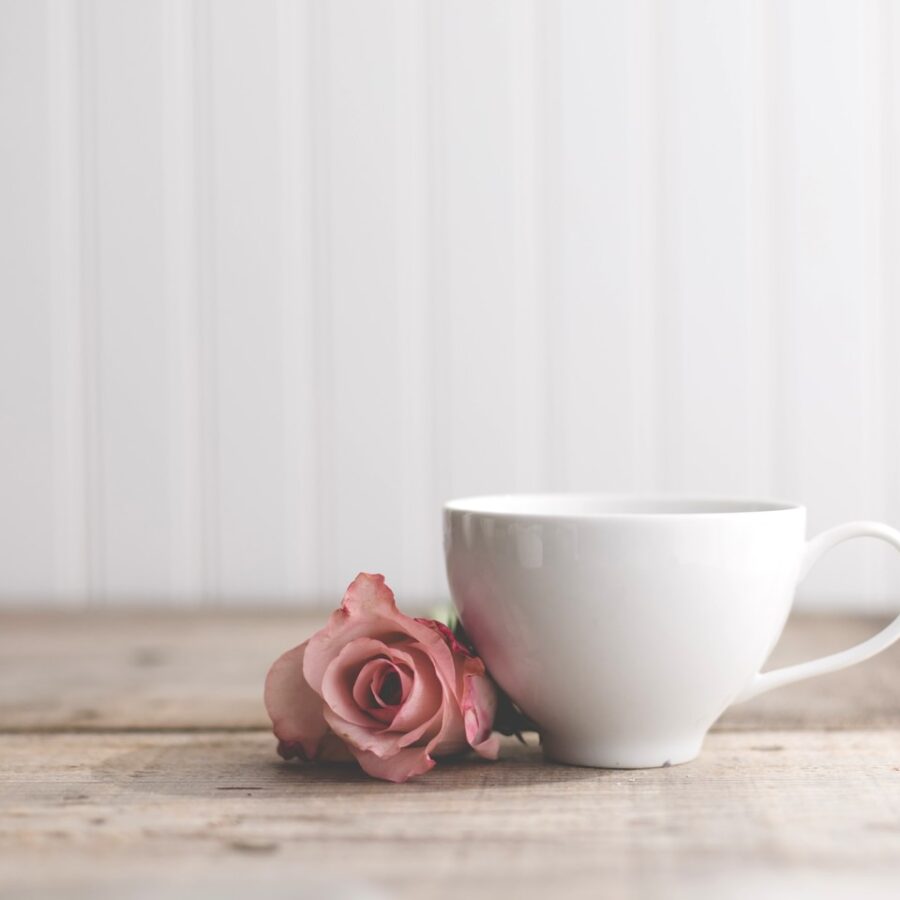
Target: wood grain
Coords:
[(106, 670), (769, 813), (134, 753)]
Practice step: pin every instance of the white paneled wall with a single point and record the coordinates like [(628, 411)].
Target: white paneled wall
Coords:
[(277, 277)]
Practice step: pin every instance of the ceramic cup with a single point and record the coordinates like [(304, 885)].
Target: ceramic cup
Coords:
[(625, 626)]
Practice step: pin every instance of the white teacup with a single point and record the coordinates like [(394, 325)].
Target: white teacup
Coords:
[(625, 626)]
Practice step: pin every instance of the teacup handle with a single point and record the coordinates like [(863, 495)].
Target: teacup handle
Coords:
[(765, 681)]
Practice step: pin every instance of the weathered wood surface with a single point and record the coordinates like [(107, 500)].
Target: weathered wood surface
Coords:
[(760, 814), (164, 670), (135, 761)]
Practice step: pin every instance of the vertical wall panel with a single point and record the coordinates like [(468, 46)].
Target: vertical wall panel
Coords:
[(476, 393), (181, 293), (824, 316), (365, 415), (67, 443), (277, 278), (602, 295), (130, 340), (764, 62), (873, 302), (89, 299), (246, 327), (206, 344), (889, 271), (528, 59), (26, 388), (420, 534), (642, 224), (302, 485), (775, 237), (706, 301)]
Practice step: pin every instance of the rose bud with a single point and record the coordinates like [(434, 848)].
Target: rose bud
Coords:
[(391, 691)]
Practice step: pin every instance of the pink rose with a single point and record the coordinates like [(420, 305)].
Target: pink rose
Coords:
[(392, 691)]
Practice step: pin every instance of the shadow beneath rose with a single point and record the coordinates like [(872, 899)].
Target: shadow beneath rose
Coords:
[(519, 765), (246, 766)]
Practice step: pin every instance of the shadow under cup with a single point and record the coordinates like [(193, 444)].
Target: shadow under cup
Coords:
[(623, 626)]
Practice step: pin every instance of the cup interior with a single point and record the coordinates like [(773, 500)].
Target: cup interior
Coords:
[(603, 505)]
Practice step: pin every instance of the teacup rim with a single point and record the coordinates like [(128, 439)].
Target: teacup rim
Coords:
[(708, 505)]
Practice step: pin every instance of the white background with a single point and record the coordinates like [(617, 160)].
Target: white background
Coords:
[(278, 277)]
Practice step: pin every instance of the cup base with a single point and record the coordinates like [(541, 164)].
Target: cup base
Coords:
[(602, 755)]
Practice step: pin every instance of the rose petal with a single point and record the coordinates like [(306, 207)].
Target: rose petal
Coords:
[(416, 718), (479, 705), (378, 760), (489, 748), (423, 733), (369, 683), (400, 681), (448, 636), (362, 686), (427, 691), (398, 768), (409, 762), (445, 699), (403, 762), (368, 594), (421, 718), (293, 706), (341, 673), (333, 749), (383, 743), (369, 611), (451, 739)]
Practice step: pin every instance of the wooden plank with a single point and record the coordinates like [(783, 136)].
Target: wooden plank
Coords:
[(769, 814), (864, 696), (195, 670), (102, 670)]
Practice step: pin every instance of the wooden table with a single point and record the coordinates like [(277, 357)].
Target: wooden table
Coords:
[(135, 760)]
